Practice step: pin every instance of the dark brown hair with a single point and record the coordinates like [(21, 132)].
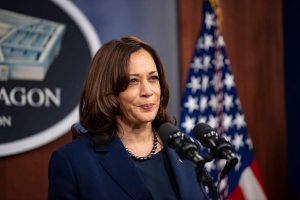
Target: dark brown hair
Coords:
[(106, 78)]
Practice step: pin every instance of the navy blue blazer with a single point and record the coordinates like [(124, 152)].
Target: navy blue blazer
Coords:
[(82, 170)]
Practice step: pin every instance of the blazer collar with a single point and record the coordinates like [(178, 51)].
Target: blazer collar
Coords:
[(116, 161)]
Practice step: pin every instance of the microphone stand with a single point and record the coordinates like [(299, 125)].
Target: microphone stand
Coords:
[(204, 178), (189, 150)]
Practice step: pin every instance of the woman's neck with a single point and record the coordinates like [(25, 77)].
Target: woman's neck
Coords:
[(135, 134)]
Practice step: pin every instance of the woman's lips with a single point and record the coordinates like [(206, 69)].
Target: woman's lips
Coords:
[(146, 107)]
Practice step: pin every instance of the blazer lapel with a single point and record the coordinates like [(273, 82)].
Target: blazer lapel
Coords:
[(116, 161), (185, 176)]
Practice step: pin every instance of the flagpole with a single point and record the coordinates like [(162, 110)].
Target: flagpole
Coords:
[(215, 4)]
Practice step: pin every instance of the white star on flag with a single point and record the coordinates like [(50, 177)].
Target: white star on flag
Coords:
[(239, 121), (229, 81), (213, 102), (204, 84), (228, 101), (227, 121), (206, 62), (192, 104), (189, 123), (238, 141), (194, 84), (203, 103), (208, 42), (197, 65), (209, 20)]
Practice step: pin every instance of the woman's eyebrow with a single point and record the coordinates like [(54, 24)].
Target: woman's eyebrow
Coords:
[(136, 74)]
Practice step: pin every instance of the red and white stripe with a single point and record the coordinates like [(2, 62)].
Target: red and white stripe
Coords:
[(250, 185)]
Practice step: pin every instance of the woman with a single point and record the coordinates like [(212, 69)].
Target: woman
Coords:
[(120, 155)]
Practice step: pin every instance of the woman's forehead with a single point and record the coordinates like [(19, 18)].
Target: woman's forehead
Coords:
[(141, 62)]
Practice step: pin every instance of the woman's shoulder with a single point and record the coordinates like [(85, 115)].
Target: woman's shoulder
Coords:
[(78, 146)]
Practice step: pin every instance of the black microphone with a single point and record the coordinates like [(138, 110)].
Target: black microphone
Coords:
[(185, 146), (220, 148)]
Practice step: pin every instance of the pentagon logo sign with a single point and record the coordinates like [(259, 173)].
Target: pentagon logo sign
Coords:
[(44, 55)]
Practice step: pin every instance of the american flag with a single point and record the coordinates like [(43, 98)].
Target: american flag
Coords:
[(211, 97)]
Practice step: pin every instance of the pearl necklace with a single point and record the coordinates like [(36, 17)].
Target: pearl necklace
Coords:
[(153, 150)]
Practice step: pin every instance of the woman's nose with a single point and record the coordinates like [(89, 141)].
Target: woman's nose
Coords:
[(146, 89)]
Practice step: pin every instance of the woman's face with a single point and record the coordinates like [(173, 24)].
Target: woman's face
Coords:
[(140, 101)]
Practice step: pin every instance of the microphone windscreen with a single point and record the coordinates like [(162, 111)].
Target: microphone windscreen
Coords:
[(165, 130), (200, 130)]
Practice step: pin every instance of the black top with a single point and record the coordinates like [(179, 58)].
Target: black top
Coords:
[(158, 176)]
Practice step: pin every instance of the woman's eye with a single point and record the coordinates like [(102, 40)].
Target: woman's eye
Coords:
[(133, 80), (154, 78)]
